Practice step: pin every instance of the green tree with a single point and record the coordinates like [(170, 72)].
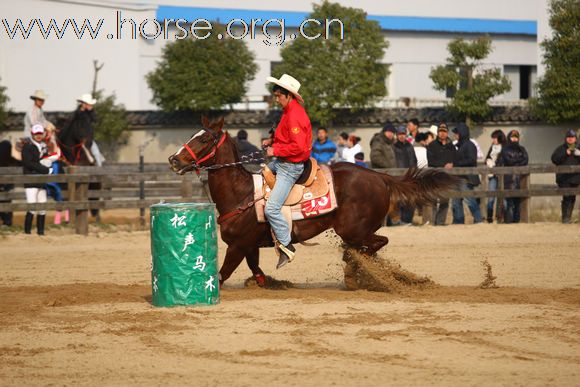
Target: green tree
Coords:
[(337, 71), (111, 125), (3, 108), (202, 74), (559, 89), (472, 84)]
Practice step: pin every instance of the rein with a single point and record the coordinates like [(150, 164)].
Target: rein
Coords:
[(248, 159)]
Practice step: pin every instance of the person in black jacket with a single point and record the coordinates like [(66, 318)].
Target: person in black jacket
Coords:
[(440, 154), (32, 152), (245, 148), (512, 155), (405, 158), (567, 154), (466, 156)]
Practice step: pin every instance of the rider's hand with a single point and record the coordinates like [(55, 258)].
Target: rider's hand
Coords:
[(266, 143), (270, 151)]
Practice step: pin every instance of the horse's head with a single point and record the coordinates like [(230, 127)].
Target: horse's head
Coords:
[(201, 148)]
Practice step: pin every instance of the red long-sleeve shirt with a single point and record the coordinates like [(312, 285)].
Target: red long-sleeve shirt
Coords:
[(293, 137)]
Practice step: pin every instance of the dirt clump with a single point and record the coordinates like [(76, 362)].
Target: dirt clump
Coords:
[(373, 273)]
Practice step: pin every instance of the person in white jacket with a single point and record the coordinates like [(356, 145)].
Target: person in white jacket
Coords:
[(420, 148), (352, 148)]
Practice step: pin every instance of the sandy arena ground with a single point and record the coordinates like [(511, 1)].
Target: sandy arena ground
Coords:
[(75, 310)]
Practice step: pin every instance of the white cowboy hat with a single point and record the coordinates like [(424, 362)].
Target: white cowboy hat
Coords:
[(87, 98), (39, 94), (289, 83)]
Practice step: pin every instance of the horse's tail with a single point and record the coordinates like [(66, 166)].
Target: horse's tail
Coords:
[(419, 186)]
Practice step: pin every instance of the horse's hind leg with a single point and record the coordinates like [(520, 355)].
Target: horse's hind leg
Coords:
[(374, 243), (253, 261)]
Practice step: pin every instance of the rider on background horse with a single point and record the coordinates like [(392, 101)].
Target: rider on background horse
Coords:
[(291, 146)]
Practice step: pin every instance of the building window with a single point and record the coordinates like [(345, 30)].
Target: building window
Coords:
[(450, 91), (522, 79)]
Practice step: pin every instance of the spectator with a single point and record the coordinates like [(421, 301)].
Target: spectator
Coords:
[(413, 129), (382, 152), (479, 151), (6, 160), (420, 149), (352, 148), (341, 141), (51, 160), (430, 138), (512, 155), (466, 156), (35, 115), (245, 148), (359, 159), (497, 141), (567, 154), (405, 156), (32, 152), (323, 149), (440, 154)]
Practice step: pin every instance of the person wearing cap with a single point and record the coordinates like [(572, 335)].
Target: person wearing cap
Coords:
[(32, 153), (466, 156), (382, 152), (405, 157), (512, 155), (291, 146), (440, 154), (35, 115), (323, 149), (567, 154)]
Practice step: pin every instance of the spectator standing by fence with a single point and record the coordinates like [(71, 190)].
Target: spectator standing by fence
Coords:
[(412, 129), (323, 149), (32, 152), (420, 149), (466, 156), (382, 152), (440, 154), (512, 155), (497, 141), (405, 156), (352, 148), (567, 154), (341, 141)]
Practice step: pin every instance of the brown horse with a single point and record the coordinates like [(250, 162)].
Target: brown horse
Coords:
[(363, 198)]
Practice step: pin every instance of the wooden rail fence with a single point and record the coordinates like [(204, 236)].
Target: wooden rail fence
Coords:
[(120, 188)]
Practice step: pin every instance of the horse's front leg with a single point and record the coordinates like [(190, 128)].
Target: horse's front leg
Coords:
[(253, 261), (234, 256)]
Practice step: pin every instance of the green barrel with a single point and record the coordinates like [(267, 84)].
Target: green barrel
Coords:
[(184, 254)]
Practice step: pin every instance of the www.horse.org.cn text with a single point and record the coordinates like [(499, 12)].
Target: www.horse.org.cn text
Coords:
[(273, 32)]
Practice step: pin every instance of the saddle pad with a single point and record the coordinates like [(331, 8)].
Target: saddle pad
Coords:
[(307, 208)]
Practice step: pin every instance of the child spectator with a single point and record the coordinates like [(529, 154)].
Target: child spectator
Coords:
[(359, 159), (32, 153)]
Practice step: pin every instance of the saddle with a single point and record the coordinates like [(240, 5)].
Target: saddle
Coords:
[(312, 195), (310, 185)]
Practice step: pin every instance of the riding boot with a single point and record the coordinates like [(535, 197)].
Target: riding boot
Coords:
[(287, 254), (567, 209), (40, 224), (490, 215), (28, 223)]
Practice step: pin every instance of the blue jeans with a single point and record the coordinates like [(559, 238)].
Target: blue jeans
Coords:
[(286, 175), (457, 206), (492, 186)]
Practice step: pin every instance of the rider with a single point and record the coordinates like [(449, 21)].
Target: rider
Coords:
[(291, 146)]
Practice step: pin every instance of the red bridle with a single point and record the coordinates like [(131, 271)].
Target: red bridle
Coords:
[(212, 152)]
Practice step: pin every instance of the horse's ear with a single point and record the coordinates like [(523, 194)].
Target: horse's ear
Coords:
[(205, 121), (220, 124)]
